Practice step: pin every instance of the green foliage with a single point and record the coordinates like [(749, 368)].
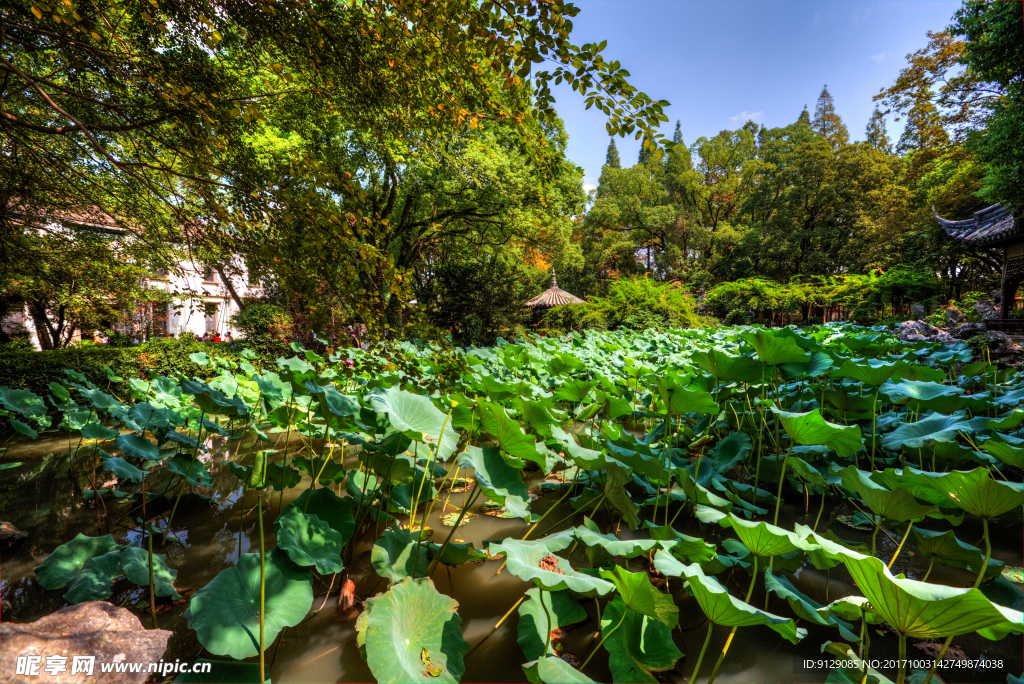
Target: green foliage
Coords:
[(643, 303)]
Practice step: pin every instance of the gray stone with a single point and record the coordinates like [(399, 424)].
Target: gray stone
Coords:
[(987, 309), (967, 331), (95, 628), (954, 316), (10, 534)]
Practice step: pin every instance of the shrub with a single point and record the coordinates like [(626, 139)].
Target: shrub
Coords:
[(576, 317), (34, 370), (642, 303)]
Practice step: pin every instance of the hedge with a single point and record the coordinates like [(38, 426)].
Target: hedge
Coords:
[(34, 370)]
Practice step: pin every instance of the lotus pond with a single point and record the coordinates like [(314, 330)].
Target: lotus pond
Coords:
[(732, 505)]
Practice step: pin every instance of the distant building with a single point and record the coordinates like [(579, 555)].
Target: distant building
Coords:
[(201, 301)]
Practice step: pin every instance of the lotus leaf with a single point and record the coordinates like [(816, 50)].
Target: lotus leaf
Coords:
[(500, 482), (225, 613), (537, 621), (66, 561), (397, 555), (308, 540), (524, 561), (135, 563), (640, 645)]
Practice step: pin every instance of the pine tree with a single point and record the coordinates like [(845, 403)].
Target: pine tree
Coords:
[(827, 123), (805, 117), (677, 137), (645, 155), (876, 135), (679, 161), (612, 157)]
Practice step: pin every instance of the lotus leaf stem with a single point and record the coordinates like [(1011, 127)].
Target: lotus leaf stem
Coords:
[(938, 659), (821, 509), (988, 554), (604, 638), (498, 624), (184, 480), (901, 677), (700, 658), (782, 480), (152, 592), (263, 592), (900, 547)]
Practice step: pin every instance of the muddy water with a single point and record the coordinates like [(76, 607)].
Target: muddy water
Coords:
[(210, 536)]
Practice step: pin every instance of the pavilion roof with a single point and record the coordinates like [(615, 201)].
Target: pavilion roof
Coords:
[(991, 225), (553, 296)]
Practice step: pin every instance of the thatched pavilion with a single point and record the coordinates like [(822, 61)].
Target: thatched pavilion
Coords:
[(553, 296)]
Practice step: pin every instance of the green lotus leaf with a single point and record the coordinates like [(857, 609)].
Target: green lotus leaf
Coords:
[(537, 621), (192, 469), (308, 540), (342, 405), (213, 402), (726, 368), (93, 582), (808, 473), (417, 417), (894, 505), (612, 406), (852, 608), (60, 392), (948, 550), (122, 469), (396, 555), (25, 402), (508, 435), (330, 508), (681, 546), (66, 561), (731, 451), (804, 607), (591, 535), (774, 349), (920, 609), (616, 478), (1010, 421), (500, 482), (135, 563), (524, 561), (553, 670), (137, 446), (681, 400), (99, 432), (933, 428), (760, 537), (872, 372), (23, 428), (973, 491), (1005, 452), (412, 633), (810, 429), (535, 414), (457, 553), (641, 645), (639, 595), (915, 391), (281, 477), (225, 613), (575, 390), (719, 606), (812, 368)]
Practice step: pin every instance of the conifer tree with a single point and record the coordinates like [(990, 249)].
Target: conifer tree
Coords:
[(645, 155), (612, 157), (876, 135), (805, 117), (827, 123)]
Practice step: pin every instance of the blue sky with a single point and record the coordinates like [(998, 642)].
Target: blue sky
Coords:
[(720, 62)]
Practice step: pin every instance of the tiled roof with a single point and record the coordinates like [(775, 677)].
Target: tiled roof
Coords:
[(553, 296), (988, 225)]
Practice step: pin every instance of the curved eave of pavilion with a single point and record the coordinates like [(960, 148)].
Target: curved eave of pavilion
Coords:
[(990, 227)]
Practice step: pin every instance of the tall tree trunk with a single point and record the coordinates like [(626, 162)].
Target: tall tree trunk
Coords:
[(228, 284)]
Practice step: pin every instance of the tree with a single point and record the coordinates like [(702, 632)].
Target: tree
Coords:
[(876, 134), (611, 157), (148, 112), (994, 55), (827, 122)]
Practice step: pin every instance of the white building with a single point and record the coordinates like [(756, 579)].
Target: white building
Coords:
[(201, 302)]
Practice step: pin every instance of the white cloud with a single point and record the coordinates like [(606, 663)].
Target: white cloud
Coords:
[(587, 187), (747, 116), (878, 58)]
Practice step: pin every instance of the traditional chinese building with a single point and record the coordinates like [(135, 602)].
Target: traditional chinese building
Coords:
[(992, 229)]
